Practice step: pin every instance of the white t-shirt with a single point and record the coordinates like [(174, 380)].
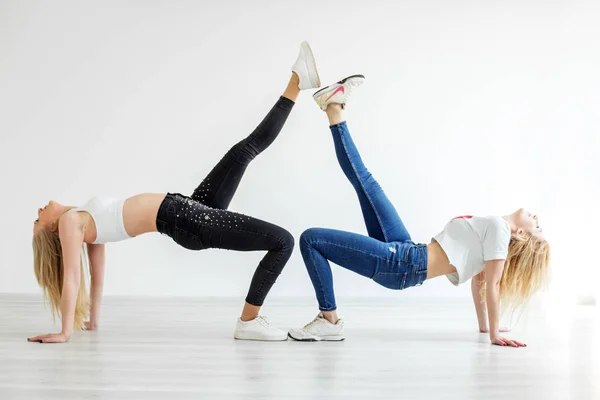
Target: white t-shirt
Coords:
[(470, 241)]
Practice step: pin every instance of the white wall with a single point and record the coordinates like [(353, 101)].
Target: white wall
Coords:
[(469, 107)]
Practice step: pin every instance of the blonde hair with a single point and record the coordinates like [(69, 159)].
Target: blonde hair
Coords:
[(48, 267), (526, 271)]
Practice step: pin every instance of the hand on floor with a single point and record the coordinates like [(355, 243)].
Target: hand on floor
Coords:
[(50, 338), (92, 326), (500, 341)]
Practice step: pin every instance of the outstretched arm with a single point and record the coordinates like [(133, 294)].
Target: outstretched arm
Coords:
[(96, 253), (493, 273), (480, 304), (71, 239)]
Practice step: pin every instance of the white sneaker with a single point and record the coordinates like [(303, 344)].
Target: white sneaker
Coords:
[(306, 68), (258, 329), (319, 329), (338, 93)]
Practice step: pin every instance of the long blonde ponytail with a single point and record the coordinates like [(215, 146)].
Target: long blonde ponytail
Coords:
[(526, 271), (48, 267)]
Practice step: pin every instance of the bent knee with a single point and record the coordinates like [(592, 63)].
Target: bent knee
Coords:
[(284, 240), (310, 236), (287, 241)]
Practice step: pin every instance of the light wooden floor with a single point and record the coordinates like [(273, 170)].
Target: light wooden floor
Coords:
[(183, 349)]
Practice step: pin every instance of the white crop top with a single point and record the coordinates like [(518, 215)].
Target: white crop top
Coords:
[(107, 213), (470, 241)]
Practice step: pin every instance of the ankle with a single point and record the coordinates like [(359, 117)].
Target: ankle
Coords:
[(249, 312), (295, 80), (293, 88), (335, 114), (331, 316)]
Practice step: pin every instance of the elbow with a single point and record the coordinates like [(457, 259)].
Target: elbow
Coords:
[(493, 282), (493, 288), (71, 280)]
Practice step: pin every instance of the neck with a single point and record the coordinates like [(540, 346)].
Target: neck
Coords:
[(511, 221), (64, 209)]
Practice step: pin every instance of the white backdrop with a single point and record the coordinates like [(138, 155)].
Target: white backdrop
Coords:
[(468, 108)]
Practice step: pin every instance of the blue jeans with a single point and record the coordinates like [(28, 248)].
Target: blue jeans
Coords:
[(387, 255)]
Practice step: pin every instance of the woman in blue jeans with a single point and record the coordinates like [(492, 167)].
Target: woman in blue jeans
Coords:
[(507, 257)]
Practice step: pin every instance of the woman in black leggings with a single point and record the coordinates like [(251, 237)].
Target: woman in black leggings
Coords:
[(200, 221)]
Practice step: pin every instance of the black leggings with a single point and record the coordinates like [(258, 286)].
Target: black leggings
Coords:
[(202, 222)]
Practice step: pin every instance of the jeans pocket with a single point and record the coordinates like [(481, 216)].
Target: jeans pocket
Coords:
[(187, 240), (391, 280)]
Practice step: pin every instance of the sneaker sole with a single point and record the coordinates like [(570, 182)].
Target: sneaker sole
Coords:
[(346, 79), (319, 339), (313, 64), (260, 340)]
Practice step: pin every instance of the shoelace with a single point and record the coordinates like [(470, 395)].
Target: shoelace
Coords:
[(313, 322), (348, 94), (264, 321), (349, 89)]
